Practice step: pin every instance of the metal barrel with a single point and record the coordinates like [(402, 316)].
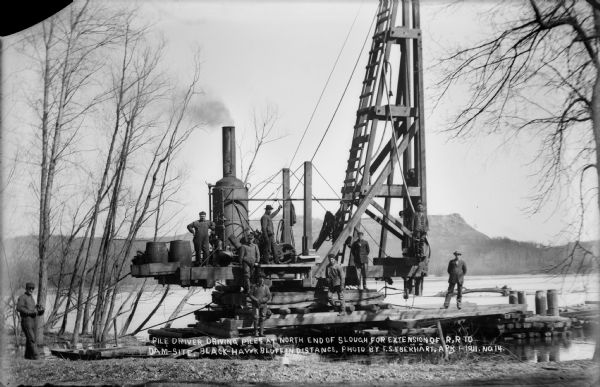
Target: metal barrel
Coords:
[(522, 297), (540, 303), (156, 252), (512, 297), (552, 295), (180, 251)]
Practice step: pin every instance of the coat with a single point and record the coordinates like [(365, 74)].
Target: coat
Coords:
[(420, 222), (360, 251), (260, 294), (457, 268), (200, 229), (335, 275), (249, 254)]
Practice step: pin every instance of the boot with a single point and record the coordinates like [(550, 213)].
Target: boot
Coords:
[(458, 304), (342, 309), (447, 300), (255, 329), (262, 328)]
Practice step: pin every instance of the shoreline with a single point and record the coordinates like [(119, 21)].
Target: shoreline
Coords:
[(470, 371)]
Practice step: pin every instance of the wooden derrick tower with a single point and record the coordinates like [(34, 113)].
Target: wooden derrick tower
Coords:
[(386, 165)]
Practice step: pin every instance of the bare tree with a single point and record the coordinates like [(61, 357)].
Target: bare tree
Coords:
[(263, 128), (550, 49)]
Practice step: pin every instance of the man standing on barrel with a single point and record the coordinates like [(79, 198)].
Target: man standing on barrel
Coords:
[(28, 310), (201, 229), (457, 268)]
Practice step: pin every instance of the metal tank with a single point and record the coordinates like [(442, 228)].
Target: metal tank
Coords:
[(230, 197)]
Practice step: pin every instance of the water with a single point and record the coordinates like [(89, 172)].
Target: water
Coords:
[(572, 290)]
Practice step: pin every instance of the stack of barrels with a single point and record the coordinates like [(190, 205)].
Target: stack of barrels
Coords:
[(178, 251)]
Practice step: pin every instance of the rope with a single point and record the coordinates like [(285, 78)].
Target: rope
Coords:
[(325, 86), (268, 180)]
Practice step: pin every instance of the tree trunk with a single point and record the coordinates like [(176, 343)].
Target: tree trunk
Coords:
[(596, 130), (179, 307), (139, 328)]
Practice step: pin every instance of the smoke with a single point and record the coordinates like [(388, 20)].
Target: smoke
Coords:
[(210, 111)]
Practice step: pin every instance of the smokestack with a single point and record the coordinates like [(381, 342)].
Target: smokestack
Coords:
[(229, 151)]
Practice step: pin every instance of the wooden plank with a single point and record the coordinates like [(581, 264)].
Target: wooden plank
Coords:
[(384, 112), (404, 33), (384, 224), (396, 222), (396, 191), (153, 269)]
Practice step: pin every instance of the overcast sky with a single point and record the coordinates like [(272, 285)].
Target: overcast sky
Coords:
[(260, 53)]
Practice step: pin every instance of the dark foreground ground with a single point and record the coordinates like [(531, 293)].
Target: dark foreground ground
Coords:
[(164, 372)]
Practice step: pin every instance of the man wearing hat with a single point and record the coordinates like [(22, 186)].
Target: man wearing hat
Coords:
[(420, 227), (360, 251), (249, 256), (268, 234), (260, 295), (335, 282), (201, 229), (28, 310), (457, 268)]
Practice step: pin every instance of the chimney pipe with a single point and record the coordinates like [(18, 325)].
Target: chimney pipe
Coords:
[(229, 151)]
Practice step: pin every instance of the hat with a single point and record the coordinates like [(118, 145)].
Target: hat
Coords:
[(261, 275), (268, 207), (29, 285), (456, 253), (331, 256), (202, 212), (361, 233)]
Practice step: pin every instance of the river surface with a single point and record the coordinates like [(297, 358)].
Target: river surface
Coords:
[(572, 290)]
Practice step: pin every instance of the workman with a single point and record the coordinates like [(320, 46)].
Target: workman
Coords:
[(335, 282), (201, 230), (360, 251), (260, 295), (249, 256), (268, 234), (420, 227), (28, 310), (457, 268)]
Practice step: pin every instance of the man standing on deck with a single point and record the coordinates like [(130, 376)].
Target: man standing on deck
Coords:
[(249, 256), (335, 282), (268, 234), (360, 251), (28, 310), (457, 268), (201, 229), (260, 295)]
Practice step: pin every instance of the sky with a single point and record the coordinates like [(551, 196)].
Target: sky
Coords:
[(279, 54)]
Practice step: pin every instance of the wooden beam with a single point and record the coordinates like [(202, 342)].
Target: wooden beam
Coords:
[(400, 130), (384, 224), (287, 208), (388, 217), (307, 234), (366, 201)]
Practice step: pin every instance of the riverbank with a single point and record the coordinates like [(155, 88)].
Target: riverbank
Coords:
[(471, 371)]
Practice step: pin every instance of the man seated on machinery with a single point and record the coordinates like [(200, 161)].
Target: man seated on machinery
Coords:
[(420, 227), (260, 296), (249, 256)]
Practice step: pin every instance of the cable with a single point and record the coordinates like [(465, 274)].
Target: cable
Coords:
[(325, 86), (326, 182)]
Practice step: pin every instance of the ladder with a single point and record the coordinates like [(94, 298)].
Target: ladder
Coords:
[(370, 172)]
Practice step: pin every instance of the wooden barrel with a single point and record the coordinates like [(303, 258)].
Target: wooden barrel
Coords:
[(521, 296), (512, 297), (180, 251), (552, 297), (156, 252), (540, 303)]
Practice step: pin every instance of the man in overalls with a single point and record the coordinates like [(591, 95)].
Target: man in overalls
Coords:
[(200, 229)]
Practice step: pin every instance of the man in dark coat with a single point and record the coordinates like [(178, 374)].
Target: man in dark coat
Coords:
[(28, 310), (360, 251), (268, 234), (457, 268), (249, 256), (260, 295), (201, 230), (335, 282), (420, 228)]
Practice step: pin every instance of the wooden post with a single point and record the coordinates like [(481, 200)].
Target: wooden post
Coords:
[(441, 334), (116, 334), (287, 208), (307, 234), (540, 303), (552, 297), (522, 298)]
